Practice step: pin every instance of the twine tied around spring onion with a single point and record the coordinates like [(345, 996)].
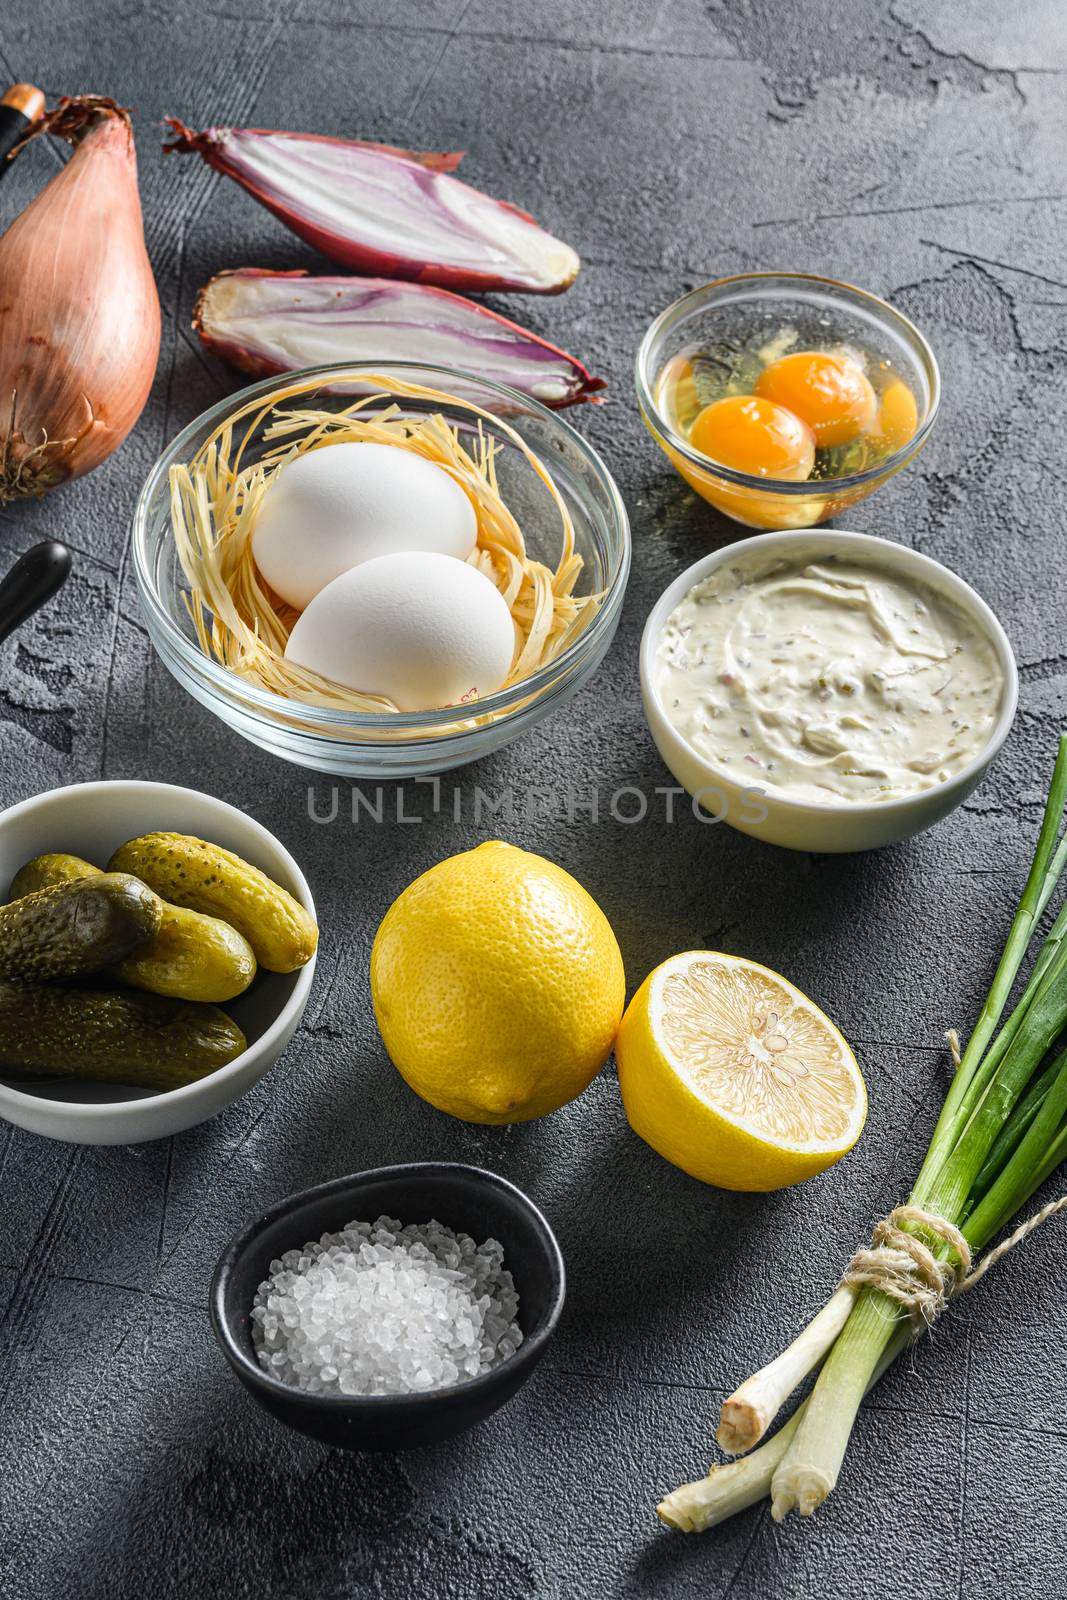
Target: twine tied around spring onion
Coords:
[(898, 1264), (901, 1266)]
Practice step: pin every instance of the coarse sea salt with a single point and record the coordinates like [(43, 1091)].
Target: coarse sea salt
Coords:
[(384, 1309)]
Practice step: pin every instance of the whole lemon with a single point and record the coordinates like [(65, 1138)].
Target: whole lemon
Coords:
[(498, 985)]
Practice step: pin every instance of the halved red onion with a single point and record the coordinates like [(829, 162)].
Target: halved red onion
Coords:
[(397, 213), (268, 322)]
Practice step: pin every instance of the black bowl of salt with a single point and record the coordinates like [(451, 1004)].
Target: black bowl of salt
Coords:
[(392, 1308)]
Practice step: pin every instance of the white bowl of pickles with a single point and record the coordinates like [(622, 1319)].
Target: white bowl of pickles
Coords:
[(157, 949)]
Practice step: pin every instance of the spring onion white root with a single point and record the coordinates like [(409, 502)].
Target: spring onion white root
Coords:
[(749, 1411), (734, 1487), (697, 1506)]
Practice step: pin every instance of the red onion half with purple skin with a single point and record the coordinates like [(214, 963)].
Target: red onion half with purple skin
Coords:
[(270, 322), (395, 213)]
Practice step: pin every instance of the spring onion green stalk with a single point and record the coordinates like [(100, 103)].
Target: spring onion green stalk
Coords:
[(1001, 1133), (1007, 1140), (1012, 1188), (1048, 952), (1039, 887)]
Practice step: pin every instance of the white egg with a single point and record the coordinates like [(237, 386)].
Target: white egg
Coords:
[(424, 630), (333, 508)]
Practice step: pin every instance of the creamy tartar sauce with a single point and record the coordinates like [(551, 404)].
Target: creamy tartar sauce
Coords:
[(828, 681)]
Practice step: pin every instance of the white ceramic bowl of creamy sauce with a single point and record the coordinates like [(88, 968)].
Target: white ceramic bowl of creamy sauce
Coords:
[(826, 690)]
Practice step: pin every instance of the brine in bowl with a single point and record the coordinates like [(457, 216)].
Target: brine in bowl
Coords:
[(568, 586), (783, 399)]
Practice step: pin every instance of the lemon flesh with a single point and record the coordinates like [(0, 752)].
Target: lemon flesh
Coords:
[(497, 985), (731, 1073)]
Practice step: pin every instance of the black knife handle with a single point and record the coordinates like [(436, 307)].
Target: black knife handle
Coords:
[(35, 578), (13, 126), (19, 109)]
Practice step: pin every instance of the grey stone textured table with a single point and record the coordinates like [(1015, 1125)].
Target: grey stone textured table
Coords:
[(916, 148)]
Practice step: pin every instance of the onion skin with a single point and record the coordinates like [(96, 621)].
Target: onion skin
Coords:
[(270, 322), (79, 311), (468, 239)]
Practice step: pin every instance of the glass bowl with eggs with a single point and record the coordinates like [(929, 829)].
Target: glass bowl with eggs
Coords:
[(784, 398), (380, 570)]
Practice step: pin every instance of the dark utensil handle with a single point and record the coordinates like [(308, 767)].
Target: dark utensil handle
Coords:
[(33, 579), (13, 127)]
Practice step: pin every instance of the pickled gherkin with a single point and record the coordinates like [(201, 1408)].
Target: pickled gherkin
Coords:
[(112, 1036), (204, 877), (77, 926), (191, 957)]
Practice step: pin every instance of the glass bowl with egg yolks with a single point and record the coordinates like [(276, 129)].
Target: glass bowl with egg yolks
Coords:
[(784, 398), (396, 745)]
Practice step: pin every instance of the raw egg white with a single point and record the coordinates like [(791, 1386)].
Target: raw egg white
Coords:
[(333, 508), (422, 629)]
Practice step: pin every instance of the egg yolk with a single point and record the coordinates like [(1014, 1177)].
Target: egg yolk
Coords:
[(830, 393), (898, 416), (756, 436)]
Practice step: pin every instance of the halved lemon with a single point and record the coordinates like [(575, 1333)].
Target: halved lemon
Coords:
[(731, 1073)]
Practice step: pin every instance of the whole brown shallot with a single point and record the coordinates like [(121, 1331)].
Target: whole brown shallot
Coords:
[(79, 312)]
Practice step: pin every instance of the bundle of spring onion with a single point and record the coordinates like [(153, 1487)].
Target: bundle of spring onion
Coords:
[(1002, 1132)]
